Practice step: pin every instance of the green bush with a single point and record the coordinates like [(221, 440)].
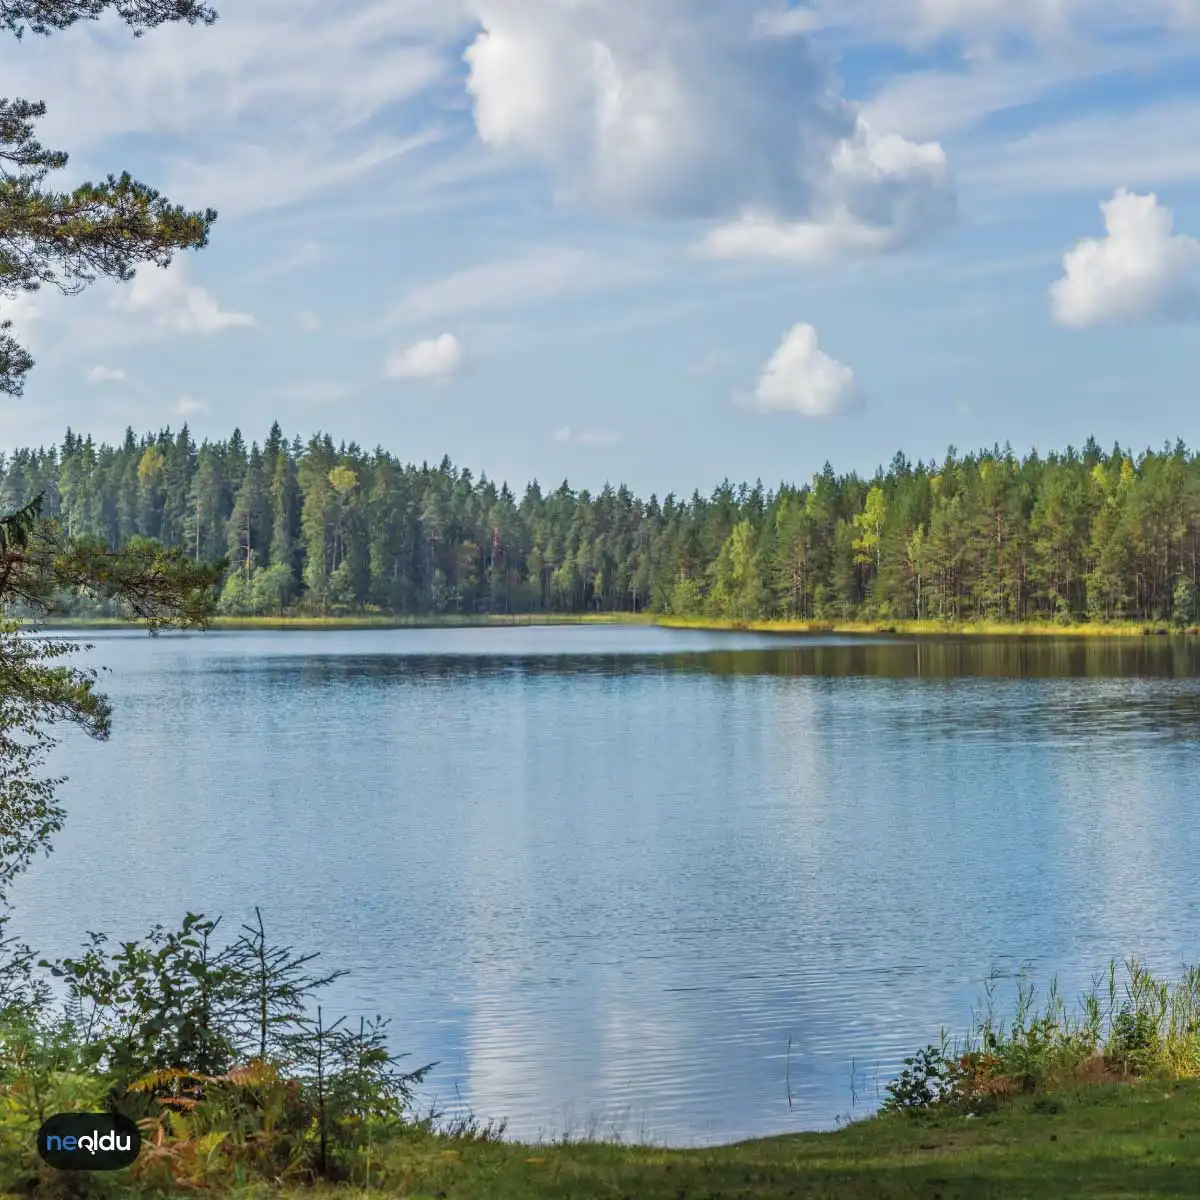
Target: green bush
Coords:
[(44, 1070), (217, 1050), (924, 1082)]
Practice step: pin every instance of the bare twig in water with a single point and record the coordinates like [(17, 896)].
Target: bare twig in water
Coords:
[(787, 1078)]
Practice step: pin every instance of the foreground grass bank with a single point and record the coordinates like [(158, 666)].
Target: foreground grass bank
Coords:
[(1137, 1139), (1101, 1140)]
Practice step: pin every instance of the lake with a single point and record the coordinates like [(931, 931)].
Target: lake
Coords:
[(604, 875)]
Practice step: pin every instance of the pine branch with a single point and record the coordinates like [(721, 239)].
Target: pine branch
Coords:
[(47, 16)]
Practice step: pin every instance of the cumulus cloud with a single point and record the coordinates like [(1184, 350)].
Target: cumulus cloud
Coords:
[(674, 109), (188, 406), (308, 321), (106, 375), (175, 305), (1141, 270), (586, 437), (437, 358), (880, 193), (801, 378)]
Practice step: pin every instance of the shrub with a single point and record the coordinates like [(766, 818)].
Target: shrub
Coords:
[(926, 1080), (214, 1050)]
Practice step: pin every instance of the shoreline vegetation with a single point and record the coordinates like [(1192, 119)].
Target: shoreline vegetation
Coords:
[(906, 629), (239, 1093), (1070, 538)]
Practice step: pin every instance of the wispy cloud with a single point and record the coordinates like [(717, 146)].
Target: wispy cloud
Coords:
[(599, 438), (1151, 146), (316, 391), (535, 277), (106, 375), (253, 176), (292, 258), (278, 101)]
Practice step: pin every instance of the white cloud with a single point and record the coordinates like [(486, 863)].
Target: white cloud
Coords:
[(1140, 271), (1148, 146), (660, 109), (530, 278), (174, 304), (315, 391), (990, 16), (252, 176), (308, 321), (882, 192), (293, 257), (437, 358), (802, 378), (924, 104), (599, 438), (188, 406), (982, 24), (27, 313), (786, 22), (711, 363), (279, 100), (757, 236), (106, 375)]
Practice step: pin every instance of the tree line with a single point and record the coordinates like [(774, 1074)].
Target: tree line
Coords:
[(318, 528)]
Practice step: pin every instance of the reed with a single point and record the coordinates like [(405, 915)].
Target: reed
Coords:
[(1129, 1024)]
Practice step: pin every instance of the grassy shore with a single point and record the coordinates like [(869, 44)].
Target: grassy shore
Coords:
[(1101, 1140), (486, 621), (929, 629), (934, 628)]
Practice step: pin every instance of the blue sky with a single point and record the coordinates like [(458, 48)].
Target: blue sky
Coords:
[(663, 243)]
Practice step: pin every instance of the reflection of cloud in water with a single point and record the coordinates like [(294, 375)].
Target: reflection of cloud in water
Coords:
[(1120, 834), (610, 873)]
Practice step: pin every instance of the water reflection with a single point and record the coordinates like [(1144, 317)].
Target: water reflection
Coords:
[(607, 875)]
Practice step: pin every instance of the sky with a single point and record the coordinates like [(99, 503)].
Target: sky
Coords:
[(662, 243)]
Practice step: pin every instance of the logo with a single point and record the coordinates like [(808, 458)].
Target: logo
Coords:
[(89, 1141)]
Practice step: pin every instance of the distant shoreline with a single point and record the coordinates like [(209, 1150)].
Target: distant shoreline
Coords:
[(934, 629), (913, 629)]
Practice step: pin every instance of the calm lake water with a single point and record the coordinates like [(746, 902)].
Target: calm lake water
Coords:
[(603, 875)]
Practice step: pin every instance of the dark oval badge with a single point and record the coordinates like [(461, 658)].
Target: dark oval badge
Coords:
[(89, 1141)]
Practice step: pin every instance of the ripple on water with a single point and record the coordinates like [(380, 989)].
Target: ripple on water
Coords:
[(606, 876)]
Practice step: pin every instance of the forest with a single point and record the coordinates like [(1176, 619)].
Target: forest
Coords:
[(316, 528)]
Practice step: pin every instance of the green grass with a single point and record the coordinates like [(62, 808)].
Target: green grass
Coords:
[(369, 622), (1112, 1140), (929, 629), (932, 628)]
